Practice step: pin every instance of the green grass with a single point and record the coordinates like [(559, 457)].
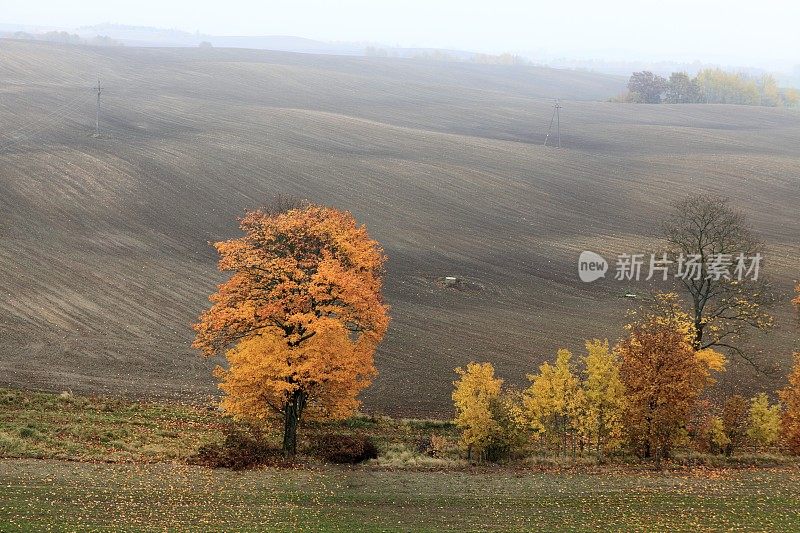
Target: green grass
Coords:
[(50, 495)]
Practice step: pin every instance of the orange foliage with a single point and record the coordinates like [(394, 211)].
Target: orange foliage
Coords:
[(796, 301), (301, 316), (663, 375)]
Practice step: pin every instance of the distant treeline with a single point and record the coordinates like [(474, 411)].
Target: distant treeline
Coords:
[(710, 86), (449, 56), (65, 37)]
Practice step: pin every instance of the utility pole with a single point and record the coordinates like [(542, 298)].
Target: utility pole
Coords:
[(557, 119), (97, 119)]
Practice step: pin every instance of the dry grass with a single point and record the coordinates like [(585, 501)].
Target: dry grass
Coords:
[(79, 428), (98, 429)]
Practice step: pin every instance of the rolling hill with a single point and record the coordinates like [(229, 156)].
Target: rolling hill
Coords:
[(104, 255)]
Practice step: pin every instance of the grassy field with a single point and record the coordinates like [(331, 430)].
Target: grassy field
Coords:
[(89, 463), (104, 251), (90, 428), (39, 425), (50, 495), (42, 425)]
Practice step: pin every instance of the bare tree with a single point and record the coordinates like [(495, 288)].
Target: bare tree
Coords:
[(707, 232)]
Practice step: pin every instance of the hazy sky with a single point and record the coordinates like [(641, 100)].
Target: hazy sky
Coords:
[(764, 33)]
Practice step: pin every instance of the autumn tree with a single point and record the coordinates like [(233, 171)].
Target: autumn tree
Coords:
[(796, 301), (763, 421), (300, 317), (681, 89), (790, 419), (719, 438), (552, 400), (721, 87), (474, 397), (646, 87), (663, 375), (714, 248), (707, 428), (511, 429), (770, 94), (734, 422), (603, 399), (712, 85)]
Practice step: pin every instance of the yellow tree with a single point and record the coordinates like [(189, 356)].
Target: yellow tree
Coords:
[(299, 319), (719, 439), (603, 398), (663, 375), (512, 431), (796, 301), (553, 400), (474, 397), (790, 419), (764, 421)]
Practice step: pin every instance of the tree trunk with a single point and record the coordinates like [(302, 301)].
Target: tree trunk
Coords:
[(291, 419), (600, 459), (601, 431), (699, 326)]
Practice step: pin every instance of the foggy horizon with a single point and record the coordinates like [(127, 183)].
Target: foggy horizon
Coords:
[(713, 32)]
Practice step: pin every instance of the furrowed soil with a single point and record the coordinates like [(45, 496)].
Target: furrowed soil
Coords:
[(104, 254)]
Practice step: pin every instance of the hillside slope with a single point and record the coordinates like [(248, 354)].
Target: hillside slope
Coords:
[(104, 255)]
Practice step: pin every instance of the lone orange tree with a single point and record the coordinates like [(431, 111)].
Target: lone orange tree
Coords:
[(300, 318)]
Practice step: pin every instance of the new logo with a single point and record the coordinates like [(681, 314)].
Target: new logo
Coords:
[(591, 266)]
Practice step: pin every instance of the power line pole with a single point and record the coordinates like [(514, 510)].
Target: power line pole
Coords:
[(97, 119), (557, 119)]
